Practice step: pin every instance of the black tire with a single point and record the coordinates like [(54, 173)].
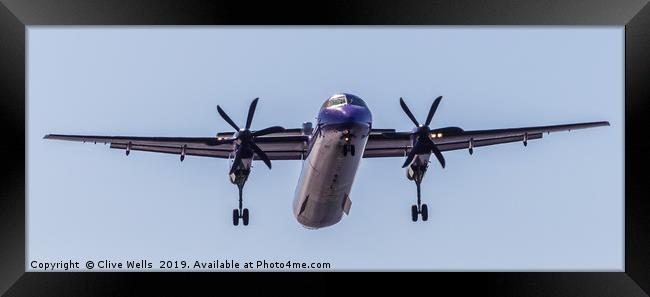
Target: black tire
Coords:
[(245, 216), (235, 217), (352, 149), (425, 213), (414, 213), (345, 150)]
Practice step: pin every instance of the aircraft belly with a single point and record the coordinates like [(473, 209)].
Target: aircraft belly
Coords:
[(326, 180)]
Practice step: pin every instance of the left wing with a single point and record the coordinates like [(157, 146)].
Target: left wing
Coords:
[(398, 144), (288, 145)]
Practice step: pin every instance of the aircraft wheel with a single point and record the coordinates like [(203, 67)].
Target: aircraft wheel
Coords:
[(425, 212), (352, 149), (345, 150), (414, 213), (235, 217), (245, 216)]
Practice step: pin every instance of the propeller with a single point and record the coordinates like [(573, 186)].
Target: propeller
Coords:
[(245, 136), (423, 144)]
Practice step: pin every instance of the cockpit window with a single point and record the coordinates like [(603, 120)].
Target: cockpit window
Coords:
[(354, 100), (343, 99), (336, 100)]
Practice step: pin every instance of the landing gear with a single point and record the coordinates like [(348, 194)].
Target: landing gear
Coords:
[(347, 138), (243, 216), (235, 217), (420, 208), (348, 148), (240, 213)]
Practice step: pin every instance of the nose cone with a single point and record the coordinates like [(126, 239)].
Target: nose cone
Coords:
[(344, 109), (345, 114)]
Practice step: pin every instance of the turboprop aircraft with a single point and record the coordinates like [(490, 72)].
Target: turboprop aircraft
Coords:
[(330, 152)]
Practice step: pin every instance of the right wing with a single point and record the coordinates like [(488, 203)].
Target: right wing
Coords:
[(398, 144), (288, 145)]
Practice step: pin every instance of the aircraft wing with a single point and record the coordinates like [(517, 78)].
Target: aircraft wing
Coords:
[(278, 146), (398, 144)]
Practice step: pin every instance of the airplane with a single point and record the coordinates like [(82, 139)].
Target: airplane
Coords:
[(330, 152)]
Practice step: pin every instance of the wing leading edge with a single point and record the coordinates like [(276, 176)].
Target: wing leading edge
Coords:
[(398, 144)]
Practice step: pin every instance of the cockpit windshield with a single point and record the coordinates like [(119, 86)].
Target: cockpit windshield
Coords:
[(340, 99), (335, 100), (354, 100)]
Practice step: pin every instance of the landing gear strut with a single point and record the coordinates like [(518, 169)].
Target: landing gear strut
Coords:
[(420, 208), (240, 213)]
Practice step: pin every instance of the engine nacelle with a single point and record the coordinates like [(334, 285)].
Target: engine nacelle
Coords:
[(240, 171), (418, 167), (239, 176), (410, 173)]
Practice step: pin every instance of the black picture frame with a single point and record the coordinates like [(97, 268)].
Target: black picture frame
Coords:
[(16, 15)]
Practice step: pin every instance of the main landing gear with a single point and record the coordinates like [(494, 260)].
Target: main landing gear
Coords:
[(241, 213), (244, 150), (420, 208)]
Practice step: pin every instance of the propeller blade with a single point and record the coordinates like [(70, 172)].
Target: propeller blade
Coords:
[(251, 111), (408, 111), (432, 111), (214, 142), (269, 130), (235, 163), (410, 157), (227, 118), (437, 153), (261, 154)]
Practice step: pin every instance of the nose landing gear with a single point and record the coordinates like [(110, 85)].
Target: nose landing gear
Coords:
[(348, 148)]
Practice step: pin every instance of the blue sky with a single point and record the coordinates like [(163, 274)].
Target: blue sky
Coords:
[(554, 205)]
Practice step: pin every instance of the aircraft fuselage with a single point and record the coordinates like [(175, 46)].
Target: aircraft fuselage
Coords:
[(335, 150)]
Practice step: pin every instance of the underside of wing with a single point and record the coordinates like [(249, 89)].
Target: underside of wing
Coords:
[(278, 146), (399, 144)]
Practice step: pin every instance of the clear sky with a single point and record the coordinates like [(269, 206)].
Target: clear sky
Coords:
[(554, 205)]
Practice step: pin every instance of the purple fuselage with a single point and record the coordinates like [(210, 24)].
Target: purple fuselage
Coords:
[(335, 149)]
